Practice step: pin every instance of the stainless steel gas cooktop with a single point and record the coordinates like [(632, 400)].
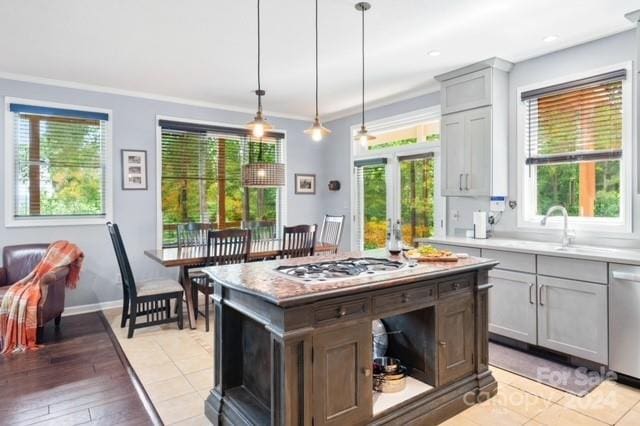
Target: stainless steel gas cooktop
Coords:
[(333, 270)]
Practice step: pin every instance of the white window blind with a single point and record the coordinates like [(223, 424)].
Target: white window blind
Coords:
[(60, 162), (578, 121)]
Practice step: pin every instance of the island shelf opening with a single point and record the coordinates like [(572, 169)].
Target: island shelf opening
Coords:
[(411, 339)]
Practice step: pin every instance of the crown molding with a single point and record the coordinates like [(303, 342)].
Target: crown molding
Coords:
[(633, 16), (142, 95), (382, 102)]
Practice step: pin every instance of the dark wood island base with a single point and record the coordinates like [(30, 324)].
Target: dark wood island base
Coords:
[(293, 353)]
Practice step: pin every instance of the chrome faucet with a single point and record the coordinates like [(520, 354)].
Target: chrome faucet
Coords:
[(567, 237)]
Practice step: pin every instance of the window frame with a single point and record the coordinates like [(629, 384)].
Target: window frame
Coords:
[(393, 171), (282, 193), (9, 163), (527, 218)]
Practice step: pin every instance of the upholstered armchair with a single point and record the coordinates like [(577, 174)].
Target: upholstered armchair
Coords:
[(17, 262)]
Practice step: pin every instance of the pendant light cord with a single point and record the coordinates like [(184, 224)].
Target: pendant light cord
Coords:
[(259, 87), (316, 58), (363, 10)]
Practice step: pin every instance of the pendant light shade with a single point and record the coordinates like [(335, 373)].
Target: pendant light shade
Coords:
[(261, 174), (317, 130), (363, 136)]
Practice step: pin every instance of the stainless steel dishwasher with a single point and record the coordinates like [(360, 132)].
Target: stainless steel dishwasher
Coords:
[(624, 319)]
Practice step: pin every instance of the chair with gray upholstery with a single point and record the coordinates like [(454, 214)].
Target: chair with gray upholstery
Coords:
[(144, 299)]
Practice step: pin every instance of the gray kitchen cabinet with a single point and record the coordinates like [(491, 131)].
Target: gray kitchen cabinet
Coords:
[(452, 135), (466, 147), (474, 129), (468, 91), (477, 148), (572, 318), (512, 305)]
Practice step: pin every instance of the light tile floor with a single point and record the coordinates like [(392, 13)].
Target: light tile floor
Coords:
[(175, 367)]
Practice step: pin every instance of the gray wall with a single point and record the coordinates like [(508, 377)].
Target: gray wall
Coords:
[(599, 53), (134, 127)]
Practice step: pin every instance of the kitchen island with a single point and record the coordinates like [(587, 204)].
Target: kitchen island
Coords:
[(291, 349)]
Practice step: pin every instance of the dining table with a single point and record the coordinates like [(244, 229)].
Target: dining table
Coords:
[(186, 258)]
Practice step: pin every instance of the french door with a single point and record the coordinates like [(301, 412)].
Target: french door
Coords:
[(399, 187)]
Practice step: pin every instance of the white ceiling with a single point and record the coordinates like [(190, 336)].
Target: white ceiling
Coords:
[(205, 50)]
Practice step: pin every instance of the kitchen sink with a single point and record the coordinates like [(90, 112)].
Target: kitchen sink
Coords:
[(586, 249)]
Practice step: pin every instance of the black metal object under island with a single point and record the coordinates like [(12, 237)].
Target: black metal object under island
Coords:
[(293, 340)]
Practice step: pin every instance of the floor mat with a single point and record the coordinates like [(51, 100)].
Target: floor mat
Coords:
[(578, 381)]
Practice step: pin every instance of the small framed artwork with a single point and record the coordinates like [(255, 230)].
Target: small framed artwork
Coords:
[(134, 169), (305, 184)]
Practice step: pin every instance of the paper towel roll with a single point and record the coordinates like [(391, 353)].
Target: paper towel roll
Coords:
[(480, 225)]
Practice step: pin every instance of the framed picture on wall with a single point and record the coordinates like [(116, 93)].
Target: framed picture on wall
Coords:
[(305, 184), (134, 169)]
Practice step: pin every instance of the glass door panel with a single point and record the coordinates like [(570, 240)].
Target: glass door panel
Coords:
[(417, 197), (371, 206)]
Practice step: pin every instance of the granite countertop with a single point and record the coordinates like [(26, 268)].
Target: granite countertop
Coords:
[(262, 280), (603, 254)]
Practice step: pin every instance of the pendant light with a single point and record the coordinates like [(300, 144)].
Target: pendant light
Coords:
[(259, 125), (363, 136), (317, 130), (261, 174)]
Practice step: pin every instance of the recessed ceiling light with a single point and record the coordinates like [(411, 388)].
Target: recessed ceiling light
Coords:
[(434, 53), (550, 38)]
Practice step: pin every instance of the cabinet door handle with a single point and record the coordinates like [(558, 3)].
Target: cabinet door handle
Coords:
[(460, 181), (342, 312), (366, 371), (540, 295), (466, 181), (530, 295), (404, 298), (442, 343)]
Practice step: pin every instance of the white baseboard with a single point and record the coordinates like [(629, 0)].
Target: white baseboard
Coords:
[(94, 307)]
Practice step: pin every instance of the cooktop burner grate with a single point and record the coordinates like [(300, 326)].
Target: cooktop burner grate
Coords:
[(340, 269)]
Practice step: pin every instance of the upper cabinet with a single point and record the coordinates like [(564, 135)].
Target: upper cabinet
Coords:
[(474, 102), (468, 91)]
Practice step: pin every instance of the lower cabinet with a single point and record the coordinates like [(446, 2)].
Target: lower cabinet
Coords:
[(572, 318), (512, 305), (342, 393), (455, 339)]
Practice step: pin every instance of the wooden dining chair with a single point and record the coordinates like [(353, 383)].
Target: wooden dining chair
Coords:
[(263, 235), (224, 247), (331, 231), (150, 298), (298, 241)]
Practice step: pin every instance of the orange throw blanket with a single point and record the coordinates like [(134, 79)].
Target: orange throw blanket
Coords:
[(18, 312)]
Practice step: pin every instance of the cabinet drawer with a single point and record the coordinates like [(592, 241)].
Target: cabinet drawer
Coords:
[(348, 309), (471, 251), (404, 298), (519, 262), (575, 269), (455, 285), (468, 91)]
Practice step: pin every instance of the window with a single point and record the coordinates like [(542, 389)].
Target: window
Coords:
[(574, 149), (396, 179), (428, 132), (202, 178), (58, 160)]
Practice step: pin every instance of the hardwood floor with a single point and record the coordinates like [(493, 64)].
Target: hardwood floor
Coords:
[(78, 377)]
